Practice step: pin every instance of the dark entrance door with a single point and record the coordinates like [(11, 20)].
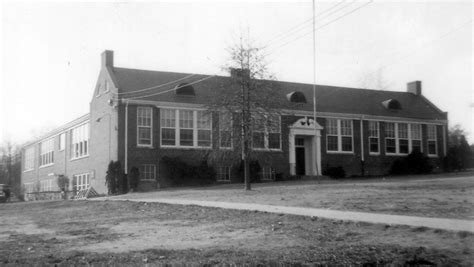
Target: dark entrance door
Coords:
[(299, 153)]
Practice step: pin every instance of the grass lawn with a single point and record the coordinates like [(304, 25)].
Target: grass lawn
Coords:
[(68, 233), (429, 196)]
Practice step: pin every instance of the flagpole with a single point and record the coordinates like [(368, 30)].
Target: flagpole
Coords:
[(314, 84)]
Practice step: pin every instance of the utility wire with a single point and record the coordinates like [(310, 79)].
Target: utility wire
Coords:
[(169, 90), (320, 27), (305, 22), (155, 87)]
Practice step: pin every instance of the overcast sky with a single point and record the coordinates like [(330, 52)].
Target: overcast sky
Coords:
[(51, 51)]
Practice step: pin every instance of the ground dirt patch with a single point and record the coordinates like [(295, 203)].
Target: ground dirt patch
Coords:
[(126, 233)]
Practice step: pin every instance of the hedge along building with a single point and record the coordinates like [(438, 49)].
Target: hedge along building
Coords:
[(139, 117)]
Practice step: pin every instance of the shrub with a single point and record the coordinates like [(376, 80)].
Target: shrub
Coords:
[(116, 179), (414, 163), (63, 184), (182, 173), (334, 172)]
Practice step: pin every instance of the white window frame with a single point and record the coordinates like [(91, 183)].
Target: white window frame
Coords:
[(432, 136), (62, 141), (224, 174), (222, 117), (397, 138), (46, 185), (412, 136), (372, 136), (29, 163), (339, 137), (84, 179), (266, 134), (80, 141), (268, 173), (177, 128), (146, 111), (148, 172), (46, 149)]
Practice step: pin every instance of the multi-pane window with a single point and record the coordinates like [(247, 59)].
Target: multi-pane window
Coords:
[(268, 173), (80, 141), (29, 158), (224, 174), (432, 145), (144, 126), (402, 138), (46, 185), (148, 172), (29, 187), (225, 130), (203, 128), (415, 130), (168, 127), (374, 137), (266, 132), (185, 128), (46, 152), (62, 141), (339, 135), (81, 181), (390, 140)]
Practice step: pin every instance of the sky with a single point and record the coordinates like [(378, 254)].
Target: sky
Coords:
[(50, 52)]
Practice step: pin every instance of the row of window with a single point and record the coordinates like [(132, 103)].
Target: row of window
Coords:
[(193, 128), (400, 138), (79, 148)]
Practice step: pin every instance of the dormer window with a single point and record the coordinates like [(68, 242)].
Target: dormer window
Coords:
[(184, 89), (296, 97), (392, 104)]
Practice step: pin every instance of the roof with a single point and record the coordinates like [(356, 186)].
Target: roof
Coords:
[(331, 99)]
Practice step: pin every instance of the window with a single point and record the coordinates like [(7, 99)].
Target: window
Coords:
[(29, 187), (81, 181), (225, 130), (203, 128), (339, 135), (147, 172), (268, 173), (402, 138), (186, 128), (144, 126), (224, 174), (266, 132), (415, 134), (47, 152), (374, 137), (62, 141), (46, 185), (432, 146), (80, 141), (168, 125), (29, 158)]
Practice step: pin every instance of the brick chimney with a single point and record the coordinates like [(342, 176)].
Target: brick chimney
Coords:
[(414, 87), (107, 58)]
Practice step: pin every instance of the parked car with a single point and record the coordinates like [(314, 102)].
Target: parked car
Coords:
[(4, 193)]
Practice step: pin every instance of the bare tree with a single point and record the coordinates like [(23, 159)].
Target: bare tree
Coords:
[(374, 80), (250, 97)]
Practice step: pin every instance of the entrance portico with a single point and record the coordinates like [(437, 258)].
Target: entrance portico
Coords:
[(305, 147)]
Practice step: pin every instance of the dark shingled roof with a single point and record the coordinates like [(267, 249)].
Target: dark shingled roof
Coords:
[(328, 98)]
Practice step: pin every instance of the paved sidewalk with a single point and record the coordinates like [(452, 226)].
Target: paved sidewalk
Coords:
[(438, 223)]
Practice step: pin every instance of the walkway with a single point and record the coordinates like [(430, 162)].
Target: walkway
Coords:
[(438, 223)]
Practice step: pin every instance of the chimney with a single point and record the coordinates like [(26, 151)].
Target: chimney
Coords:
[(414, 87), (237, 73), (108, 58)]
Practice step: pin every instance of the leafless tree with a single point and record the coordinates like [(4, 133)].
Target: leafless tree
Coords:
[(250, 96)]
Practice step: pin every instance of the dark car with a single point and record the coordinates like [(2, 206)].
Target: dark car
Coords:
[(4, 193)]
